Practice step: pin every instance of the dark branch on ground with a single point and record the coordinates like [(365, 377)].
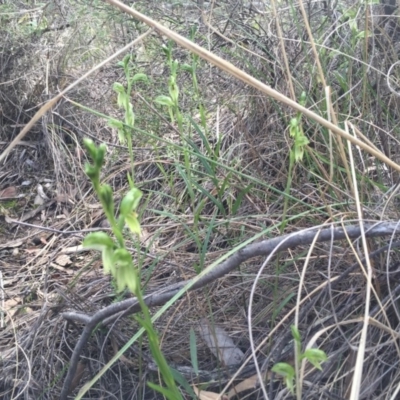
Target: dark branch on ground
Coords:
[(263, 248)]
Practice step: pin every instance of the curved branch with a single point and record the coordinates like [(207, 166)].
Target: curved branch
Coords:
[(263, 248)]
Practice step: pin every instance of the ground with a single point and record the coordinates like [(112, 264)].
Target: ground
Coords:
[(225, 172)]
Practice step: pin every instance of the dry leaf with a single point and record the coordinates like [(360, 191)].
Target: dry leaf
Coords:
[(74, 249), (96, 206), (9, 192), (38, 200), (249, 383), (62, 198), (11, 305), (204, 395), (220, 344), (30, 214), (63, 260), (68, 271), (34, 250), (13, 243), (41, 192), (149, 240), (42, 260)]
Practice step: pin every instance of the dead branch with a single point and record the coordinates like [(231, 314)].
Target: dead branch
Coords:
[(263, 248)]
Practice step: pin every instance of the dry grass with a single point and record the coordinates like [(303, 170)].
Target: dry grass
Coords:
[(190, 216)]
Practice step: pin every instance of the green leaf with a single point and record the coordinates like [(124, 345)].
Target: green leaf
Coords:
[(294, 123), (125, 62), (106, 198), (122, 257), (122, 135), (129, 115), (303, 99), (166, 392), (353, 25), (167, 51), (289, 382), (188, 68), (288, 373), (98, 241), (363, 34), (115, 123), (130, 180), (193, 30), (125, 273), (100, 153), (130, 201), (137, 196), (179, 118), (239, 198), (283, 369), (96, 153), (193, 351), (164, 101), (92, 172), (203, 116), (159, 357), (174, 68), (140, 78), (126, 277), (173, 90), (127, 204), (118, 87), (206, 143), (133, 223), (122, 100), (107, 257), (90, 147), (302, 140), (298, 153), (295, 333), (183, 382), (315, 357)]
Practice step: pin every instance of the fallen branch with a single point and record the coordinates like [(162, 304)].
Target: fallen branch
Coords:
[(126, 307)]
